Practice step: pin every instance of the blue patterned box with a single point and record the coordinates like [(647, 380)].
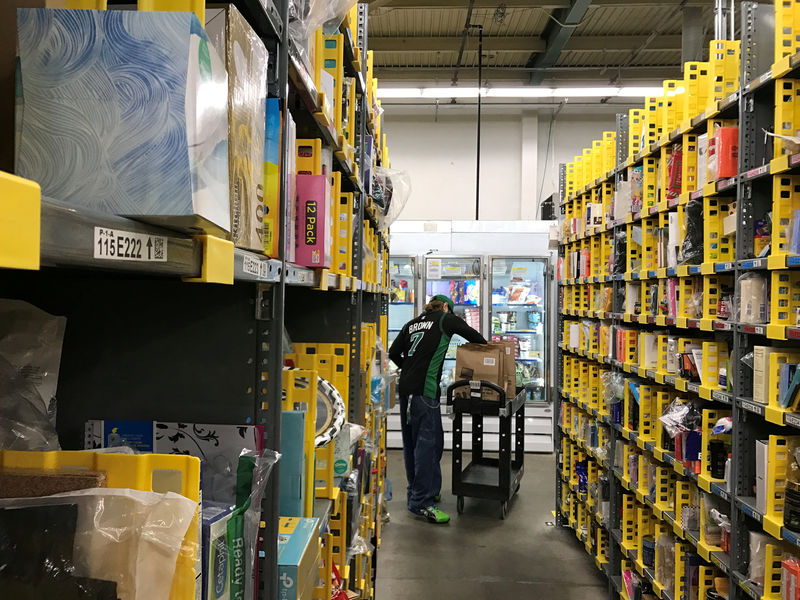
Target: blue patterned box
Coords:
[(124, 112)]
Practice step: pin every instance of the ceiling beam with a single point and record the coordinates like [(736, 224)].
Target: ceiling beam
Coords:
[(618, 43), (546, 4), (452, 43), (494, 74), (557, 33)]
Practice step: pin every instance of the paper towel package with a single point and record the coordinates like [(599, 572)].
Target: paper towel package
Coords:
[(124, 112), (246, 61)]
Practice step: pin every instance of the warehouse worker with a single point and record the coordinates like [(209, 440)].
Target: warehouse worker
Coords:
[(419, 352)]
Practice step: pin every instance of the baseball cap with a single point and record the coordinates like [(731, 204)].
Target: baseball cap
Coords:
[(445, 299)]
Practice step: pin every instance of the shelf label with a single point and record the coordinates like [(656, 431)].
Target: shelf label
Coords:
[(753, 407), (721, 396), (792, 419), (254, 266), (115, 244)]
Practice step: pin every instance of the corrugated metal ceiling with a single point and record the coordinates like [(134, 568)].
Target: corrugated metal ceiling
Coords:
[(527, 23)]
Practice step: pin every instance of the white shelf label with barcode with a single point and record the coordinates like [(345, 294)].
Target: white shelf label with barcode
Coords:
[(254, 266), (115, 244)]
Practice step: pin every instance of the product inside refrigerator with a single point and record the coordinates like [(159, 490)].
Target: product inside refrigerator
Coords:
[(458, 278), (518, 315), (402, 299)]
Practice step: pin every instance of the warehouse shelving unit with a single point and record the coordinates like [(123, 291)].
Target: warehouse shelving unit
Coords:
[(614, 534), (193, 331)]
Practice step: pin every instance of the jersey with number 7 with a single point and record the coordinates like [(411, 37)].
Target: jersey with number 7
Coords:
[(421, 347)]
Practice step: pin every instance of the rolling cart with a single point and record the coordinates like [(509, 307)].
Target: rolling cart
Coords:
[(487, 477)]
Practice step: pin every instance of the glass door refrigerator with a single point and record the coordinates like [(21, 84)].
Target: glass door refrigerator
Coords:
[(458, 277), (403, 293), (403, 279), (518, 288)]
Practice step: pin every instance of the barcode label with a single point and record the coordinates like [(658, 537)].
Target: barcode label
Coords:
[(254, 266), (114, 244)]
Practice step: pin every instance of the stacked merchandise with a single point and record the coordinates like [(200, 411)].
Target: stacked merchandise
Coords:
[(174, 127), (679, 315)]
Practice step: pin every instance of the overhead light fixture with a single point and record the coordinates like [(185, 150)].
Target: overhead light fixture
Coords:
[(399, 92), (521, 92), (451, 92)]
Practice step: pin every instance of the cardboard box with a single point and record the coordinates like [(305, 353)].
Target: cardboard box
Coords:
[(762, 458), (491, 362), (299, 557), (313, 231), (761, 373), (246, 61), (158, 151), (272, 178), (217, 559)]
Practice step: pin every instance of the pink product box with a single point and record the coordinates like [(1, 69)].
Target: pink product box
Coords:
[(312, 223)]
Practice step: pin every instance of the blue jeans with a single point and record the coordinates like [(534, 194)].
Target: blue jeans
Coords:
[(423, 444)]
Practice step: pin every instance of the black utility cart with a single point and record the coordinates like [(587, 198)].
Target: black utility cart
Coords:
[(486, 477)]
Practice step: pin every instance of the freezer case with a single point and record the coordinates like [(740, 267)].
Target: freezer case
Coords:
[(403, 277), (518, 313), (458, 278)]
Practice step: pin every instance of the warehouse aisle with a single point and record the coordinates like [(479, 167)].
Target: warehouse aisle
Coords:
[(480, 557)]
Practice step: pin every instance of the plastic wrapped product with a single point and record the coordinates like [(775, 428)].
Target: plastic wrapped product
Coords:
[(758, 556), (665, 563), (691, 251), (306, 16), (391, 190), (24, 424), (750, 304), (30, 340), (620, 251), (127, 537)]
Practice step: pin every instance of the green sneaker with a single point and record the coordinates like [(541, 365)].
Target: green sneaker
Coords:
[(434, 515)]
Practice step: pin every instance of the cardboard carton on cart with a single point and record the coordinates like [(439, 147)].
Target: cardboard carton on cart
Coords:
[(492, 362)]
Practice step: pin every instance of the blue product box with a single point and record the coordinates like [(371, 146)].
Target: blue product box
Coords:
[(299, 556), (124, 112)]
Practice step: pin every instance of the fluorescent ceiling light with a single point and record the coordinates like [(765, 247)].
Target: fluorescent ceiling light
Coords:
[(451, 92), (399, 92), (522, 92), (639, 92)]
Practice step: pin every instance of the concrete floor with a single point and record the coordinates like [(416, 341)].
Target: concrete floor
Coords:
[(477, 556)]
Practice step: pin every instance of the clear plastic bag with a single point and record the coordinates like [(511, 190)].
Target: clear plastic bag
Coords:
[(758, 556), (306, 16), (117, 538), (691, 251), (751, 302), (695, 304), (665, 565), (253, 474), (24, 422), (748, 359), (620, 252), (31, 339), (391, 189), (674, 416)]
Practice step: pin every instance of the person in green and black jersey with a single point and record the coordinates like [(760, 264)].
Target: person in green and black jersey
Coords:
[(419, 351)]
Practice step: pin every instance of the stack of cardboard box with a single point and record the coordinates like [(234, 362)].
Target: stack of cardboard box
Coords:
[(493, 362)]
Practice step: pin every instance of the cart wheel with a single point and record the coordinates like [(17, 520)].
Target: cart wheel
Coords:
[(460, 505), (504, 509)]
